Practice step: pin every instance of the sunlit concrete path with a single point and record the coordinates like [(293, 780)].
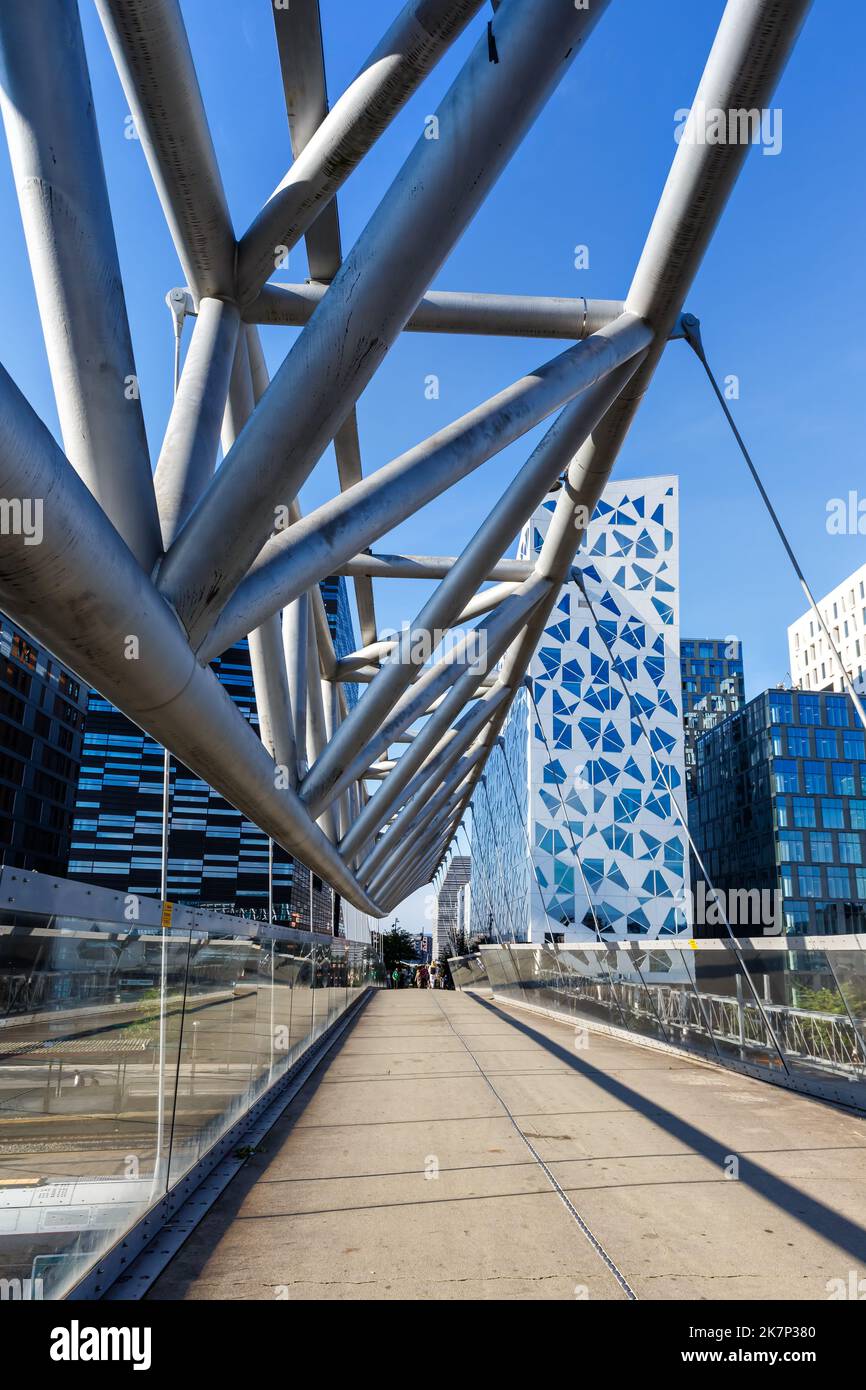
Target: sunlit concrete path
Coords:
[(401, 1171)]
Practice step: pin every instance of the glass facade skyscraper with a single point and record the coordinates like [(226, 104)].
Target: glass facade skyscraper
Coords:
[(42, 710), (216, 856), (713, 687), (781, 805)]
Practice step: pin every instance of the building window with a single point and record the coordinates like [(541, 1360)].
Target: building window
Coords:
[(838, 882), (810, 709), (857, 811), (825, 744), (780, 707), (804, 812), (22, 651), (785, 775), (832, 814), (791, 849), (853, 744), (798, 743), (814, 778), (837, 710), (810, 881), (843, 779), (849, 848), (68, 685), (796, 918), (822, 846), (826, 919)]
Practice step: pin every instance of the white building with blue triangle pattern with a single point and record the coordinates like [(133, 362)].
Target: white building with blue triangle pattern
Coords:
[(592, 767)]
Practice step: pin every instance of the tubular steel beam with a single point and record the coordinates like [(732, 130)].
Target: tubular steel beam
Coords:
[(302, 64), (499, 630), (752, 45), (189, 450), (231, 567), (480, 603), (439, 189), (106, 622), (754, 40), (427, 567), (151, 52), (442, 311), (328, 536), (56, 158), (329, 145), (267, 662), (603, 353)]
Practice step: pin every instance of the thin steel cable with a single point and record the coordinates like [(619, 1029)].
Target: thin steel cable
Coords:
[(692, 333)]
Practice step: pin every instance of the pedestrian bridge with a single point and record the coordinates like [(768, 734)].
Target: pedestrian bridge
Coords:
[(453, 1148), (207, 1107)]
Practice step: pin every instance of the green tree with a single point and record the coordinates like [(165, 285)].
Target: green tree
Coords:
[(397, 945)]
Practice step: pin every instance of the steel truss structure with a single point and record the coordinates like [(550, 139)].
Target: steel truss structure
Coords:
[(143, 576)]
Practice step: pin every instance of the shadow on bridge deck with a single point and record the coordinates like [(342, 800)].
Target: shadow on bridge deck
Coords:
[(398, 1172)]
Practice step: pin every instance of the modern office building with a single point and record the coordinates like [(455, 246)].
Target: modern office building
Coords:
[(575, 829), (781, 807), (813, 666), (447, 927), (216, 856), (42, 710), (712, 688)]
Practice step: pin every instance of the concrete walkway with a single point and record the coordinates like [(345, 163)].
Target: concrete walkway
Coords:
[(398, 1173)]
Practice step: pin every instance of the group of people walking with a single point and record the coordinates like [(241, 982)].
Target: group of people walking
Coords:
[(417, 977)]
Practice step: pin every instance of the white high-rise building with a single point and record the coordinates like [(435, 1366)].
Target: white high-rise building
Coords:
[(813, 666), (449, 906), (584, 777)]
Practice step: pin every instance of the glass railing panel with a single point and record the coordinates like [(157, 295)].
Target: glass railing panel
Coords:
[(499, 963), (849, 969), (551, 983), (590, 983), (222, 1047), (669, 974), (808, 1010), (91, 1024), (733, 999), (632, 1004)]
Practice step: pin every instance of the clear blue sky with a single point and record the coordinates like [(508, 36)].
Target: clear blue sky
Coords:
[(779, 293)]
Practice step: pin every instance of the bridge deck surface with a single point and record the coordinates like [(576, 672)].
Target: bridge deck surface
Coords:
[(397, 1172)]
